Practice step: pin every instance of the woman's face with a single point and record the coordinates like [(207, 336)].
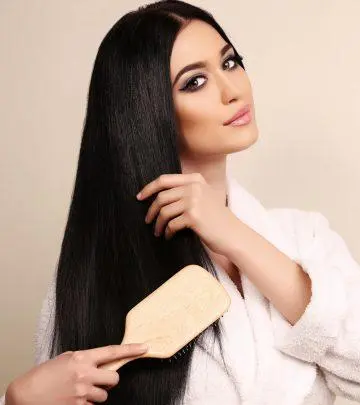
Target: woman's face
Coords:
[(208, 96)]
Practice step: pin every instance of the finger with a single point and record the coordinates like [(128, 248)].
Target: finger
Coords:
[(97, 394), (175, 225), (113, 352), (103, 377), (168, 213), (167, 181), (163, 198)]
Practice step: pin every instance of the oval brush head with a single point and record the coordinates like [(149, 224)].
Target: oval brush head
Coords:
[(174, 314)]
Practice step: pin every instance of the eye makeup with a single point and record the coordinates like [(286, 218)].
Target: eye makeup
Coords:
[(190, 89)]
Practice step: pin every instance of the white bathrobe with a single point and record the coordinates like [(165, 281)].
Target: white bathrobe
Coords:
[(271, 362)]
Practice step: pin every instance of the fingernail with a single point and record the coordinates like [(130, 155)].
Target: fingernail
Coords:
[(144, 347), (138, 195)]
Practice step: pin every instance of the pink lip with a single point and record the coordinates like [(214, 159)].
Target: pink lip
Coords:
[(239, 114)]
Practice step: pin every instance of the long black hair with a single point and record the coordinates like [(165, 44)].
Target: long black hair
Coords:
[(110, 259)]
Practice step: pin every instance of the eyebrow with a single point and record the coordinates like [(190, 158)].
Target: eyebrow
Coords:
[(197, 65)]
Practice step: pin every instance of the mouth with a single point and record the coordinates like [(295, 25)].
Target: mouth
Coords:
[(242, 117)]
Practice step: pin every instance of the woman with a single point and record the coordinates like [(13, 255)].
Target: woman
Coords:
[(169, 99)]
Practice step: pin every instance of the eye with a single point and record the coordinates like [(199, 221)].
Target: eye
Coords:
[(189, 87), (235, 59)]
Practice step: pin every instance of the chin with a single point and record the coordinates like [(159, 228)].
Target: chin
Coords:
[(243, 139)]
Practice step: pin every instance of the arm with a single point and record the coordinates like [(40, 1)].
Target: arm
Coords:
[(279, 278), (328, 332)]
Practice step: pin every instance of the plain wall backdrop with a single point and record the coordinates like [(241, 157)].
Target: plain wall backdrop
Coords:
[(303, 60)]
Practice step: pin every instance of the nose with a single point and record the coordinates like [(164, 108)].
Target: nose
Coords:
[(229, 91)]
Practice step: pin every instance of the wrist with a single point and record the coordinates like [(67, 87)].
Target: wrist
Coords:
[(236, 237)]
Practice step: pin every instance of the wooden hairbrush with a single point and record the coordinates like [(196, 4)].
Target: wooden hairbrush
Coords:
[(174, 314)]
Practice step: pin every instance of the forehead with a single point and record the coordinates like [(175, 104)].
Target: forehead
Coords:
[(196, 42)]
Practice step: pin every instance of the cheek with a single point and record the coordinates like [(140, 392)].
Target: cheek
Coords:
[(198, 119)]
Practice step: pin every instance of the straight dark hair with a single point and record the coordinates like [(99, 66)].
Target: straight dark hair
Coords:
[(110, 259)]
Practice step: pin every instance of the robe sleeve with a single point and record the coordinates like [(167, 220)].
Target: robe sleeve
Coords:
[(45, 324), (328, 332)]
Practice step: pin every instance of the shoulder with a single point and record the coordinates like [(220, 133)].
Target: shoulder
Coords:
[(313, 235), (310, 231), (295, 220)]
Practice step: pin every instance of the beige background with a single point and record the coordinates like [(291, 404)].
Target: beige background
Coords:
[(304, 62)]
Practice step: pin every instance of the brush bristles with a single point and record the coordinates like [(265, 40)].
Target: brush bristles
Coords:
[(181, 352), (186, 348)]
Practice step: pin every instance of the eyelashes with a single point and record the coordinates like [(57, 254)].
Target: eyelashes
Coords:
[(189, 88)]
